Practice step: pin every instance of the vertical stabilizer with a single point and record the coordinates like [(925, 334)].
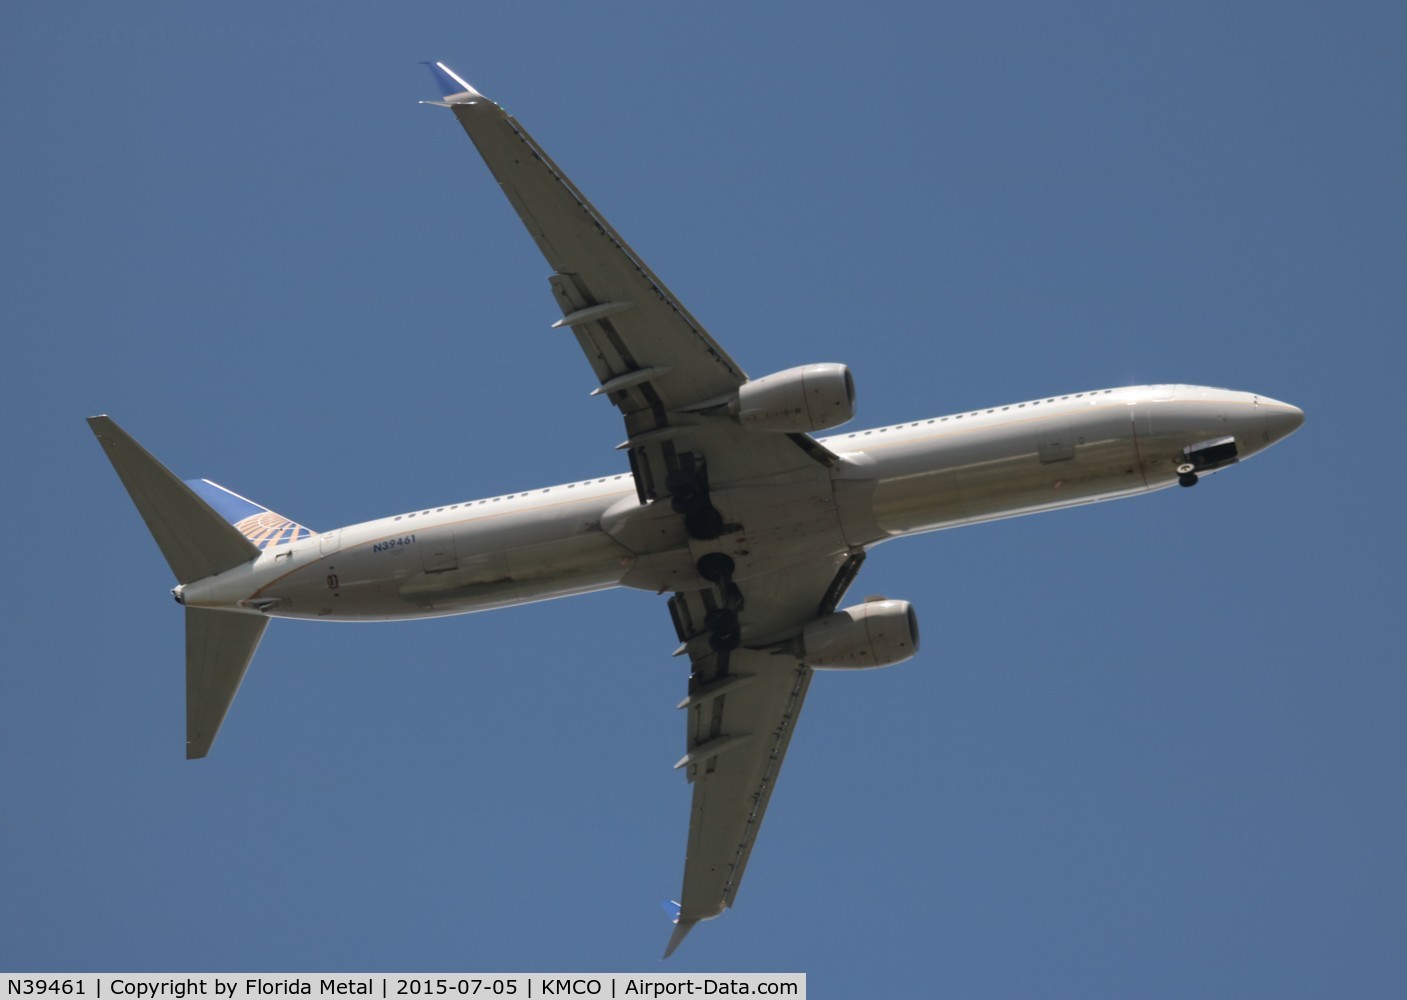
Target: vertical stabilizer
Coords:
[(196, 541), (254, 521), (219, 646)]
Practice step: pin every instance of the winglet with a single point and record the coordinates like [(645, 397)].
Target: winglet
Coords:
[(681, 931), (454, 89)]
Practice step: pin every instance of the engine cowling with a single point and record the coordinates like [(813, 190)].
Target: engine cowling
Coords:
[(873, 634), (798, 400)]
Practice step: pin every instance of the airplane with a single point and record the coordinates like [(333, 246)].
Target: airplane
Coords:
[(732, 505)]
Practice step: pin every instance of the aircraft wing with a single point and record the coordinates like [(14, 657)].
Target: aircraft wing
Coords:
[(652, 358), (741, 711)]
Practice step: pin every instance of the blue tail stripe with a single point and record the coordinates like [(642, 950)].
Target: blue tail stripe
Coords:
[(259, 524), (231, 506)]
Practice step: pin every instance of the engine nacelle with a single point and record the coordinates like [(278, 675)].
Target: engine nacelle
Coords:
[(873, 634), (798, 400)]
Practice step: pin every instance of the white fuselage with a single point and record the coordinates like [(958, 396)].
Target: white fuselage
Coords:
[(898, 480)]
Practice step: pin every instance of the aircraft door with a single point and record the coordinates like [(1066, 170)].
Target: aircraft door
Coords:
[(1055, 442), (437, 552)]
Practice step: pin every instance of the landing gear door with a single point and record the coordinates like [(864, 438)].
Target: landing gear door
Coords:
[(1211, 454)]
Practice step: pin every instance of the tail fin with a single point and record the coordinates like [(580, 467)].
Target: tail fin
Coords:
[(258, 524), (196, 541), (202, 529)]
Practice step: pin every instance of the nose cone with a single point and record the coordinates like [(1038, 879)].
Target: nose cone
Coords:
[(1278, 420)]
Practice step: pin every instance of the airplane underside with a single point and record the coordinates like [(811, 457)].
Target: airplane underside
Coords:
[(754, 527)]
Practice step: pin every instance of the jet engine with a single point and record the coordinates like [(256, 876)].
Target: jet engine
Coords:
[(798, 400), (874, 634)]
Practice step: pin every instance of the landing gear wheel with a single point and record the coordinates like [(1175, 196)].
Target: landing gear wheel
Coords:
[(715, 567), (684, 501), (724, 633), (705, 524), (1187, 479), (721, 620), (724, 642), (687, 492)]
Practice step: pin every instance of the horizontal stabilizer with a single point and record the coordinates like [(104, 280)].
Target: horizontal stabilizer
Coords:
[(196, 541), (219, 646)]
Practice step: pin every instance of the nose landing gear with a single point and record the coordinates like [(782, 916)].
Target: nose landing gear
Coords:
[(1205, 456)]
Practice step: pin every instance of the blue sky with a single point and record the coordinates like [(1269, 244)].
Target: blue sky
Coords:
[(1152, 748)]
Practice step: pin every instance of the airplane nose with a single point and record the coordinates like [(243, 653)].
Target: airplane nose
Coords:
[(1279, 420)]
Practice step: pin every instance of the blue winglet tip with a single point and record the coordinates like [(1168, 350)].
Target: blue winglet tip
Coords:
[(449, 82)]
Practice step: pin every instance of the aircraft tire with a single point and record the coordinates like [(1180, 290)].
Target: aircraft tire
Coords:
[(704, 524), (724, 641), (715, 567)]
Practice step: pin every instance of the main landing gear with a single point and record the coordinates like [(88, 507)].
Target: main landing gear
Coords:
[(688, 495), (724, 632), (688, 492), (1186, 474)]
